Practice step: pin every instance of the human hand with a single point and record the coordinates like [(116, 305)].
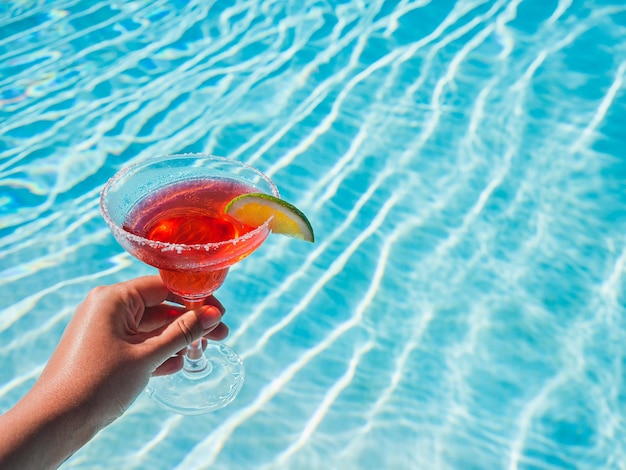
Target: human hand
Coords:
[(118, 337), (124, 333)]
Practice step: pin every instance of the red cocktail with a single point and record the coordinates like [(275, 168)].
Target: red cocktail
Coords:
[(190, 216), (169, 213)]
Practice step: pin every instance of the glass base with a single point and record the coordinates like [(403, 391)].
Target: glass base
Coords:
[(197, 390)]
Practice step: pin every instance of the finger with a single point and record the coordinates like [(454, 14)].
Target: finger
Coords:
[(151, 289), (185, 329), (218, 333), (170, 366), (215, 303), (211, 300), (183, 351), (159, 316)]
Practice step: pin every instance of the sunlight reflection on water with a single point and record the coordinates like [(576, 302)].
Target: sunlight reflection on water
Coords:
[(462, 164)]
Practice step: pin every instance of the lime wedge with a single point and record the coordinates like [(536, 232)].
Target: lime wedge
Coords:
[(254, 209)]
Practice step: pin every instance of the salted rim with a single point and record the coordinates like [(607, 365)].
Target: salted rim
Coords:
[(165, 246)]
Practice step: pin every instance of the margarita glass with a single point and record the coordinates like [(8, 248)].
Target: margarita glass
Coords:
[(169, 213)]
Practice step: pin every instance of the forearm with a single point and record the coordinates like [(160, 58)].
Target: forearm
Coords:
[(42, 432)]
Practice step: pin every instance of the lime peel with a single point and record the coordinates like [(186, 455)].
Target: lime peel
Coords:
[(254, 209)]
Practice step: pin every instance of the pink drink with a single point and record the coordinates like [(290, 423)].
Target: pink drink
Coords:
[(190, 216)]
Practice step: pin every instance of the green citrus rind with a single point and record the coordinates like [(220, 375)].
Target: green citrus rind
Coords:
[(254, 209)]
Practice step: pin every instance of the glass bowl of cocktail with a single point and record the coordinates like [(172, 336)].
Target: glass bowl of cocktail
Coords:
[(193, 216)]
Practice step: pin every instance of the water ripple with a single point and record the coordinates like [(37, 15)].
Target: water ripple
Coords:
[(461, 162)]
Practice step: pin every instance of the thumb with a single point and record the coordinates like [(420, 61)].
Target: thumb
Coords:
[(188, 327)]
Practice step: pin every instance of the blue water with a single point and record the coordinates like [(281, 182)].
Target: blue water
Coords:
[(463, 164)]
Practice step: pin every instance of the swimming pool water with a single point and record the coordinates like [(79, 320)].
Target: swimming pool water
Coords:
[(462, 162)]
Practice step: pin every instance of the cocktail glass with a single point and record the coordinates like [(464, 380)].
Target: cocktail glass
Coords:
[(183, 185)]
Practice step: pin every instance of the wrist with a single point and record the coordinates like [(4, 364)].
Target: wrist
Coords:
[(44, 430)]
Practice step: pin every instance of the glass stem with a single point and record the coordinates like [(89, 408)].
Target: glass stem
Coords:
[(195, 362)]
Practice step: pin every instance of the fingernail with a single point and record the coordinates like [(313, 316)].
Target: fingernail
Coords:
[(209, 317)]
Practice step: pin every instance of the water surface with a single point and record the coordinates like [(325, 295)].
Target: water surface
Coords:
[(462, 163)]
